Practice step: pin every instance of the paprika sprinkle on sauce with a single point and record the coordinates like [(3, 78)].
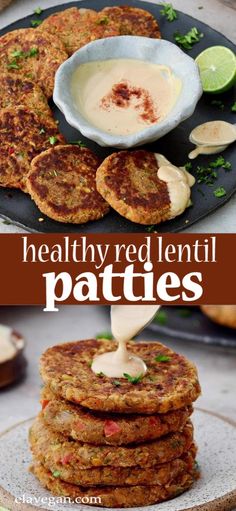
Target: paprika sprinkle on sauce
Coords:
[(124, 96)]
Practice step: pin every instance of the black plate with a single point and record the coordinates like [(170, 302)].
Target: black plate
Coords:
[(189, 324), (19, 208)]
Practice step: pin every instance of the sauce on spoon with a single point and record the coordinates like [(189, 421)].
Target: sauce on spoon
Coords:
[(212, 137)]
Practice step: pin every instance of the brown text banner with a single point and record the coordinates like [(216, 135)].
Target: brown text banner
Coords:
[(50, 270)]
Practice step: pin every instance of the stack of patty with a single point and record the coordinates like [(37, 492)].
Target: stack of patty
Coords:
[(127, 441), (62, 182)]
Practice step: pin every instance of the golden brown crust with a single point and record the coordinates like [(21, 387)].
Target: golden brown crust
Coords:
[(166, 386), (163, 473), (115, 497), (107, 428), (62, 183), (15, 91), (70, 25), (55, 448), (128, 181), (221, 314), (23, 135), (32, 54), (133, 21)]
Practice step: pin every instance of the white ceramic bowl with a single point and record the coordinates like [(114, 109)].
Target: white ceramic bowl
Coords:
[(156, 51)]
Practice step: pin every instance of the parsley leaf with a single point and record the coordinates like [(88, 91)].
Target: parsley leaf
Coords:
[(186, 41), (56, 473), (101, 374), (103, 21), (36, 23), (13, 65), (162, 358), (104, 335), (233, 107), (78, 142), (219, 192), (151, 228), (38, 11), (188, 165), (52, 140), (116, 383), (133, 379), (161, 317), (169, 12)]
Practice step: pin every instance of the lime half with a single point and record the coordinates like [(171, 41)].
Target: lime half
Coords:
[(217, 66)]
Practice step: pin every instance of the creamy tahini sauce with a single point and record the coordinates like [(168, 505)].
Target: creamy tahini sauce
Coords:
[(7, 347), (179, 183), (212, 137), (124, 96), (126, 322)]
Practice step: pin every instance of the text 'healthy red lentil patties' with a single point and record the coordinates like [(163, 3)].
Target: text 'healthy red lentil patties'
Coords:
[(85, 456), (62, 184), (23, 135), (33, 55), (97, 428), (66, 369), (108, 496)]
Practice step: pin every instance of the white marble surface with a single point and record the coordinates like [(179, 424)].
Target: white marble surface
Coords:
[(221, 15)]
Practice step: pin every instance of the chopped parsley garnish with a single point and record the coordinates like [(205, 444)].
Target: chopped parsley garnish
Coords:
[(169, 12), (133, 379), (104, 335), (218, 103), (13, 65), (32, 52), (151, 228), (101, 374), (36, 23), (161, 317), (219, 192), (52, 140), (38, 11), (42, 131), (56, 473), (220, 162), (162, 358), (78, 142), (187, 41), (208, 175), (233, 107), (18, 53), (188, 165), (116, 383), (103, 21)]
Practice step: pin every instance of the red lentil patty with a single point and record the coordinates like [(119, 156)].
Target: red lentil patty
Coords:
[(128, 181), (106, 428), (23, 135), (55, 448), (62, 183), (29, 53), (167, 386), (115, 497)]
